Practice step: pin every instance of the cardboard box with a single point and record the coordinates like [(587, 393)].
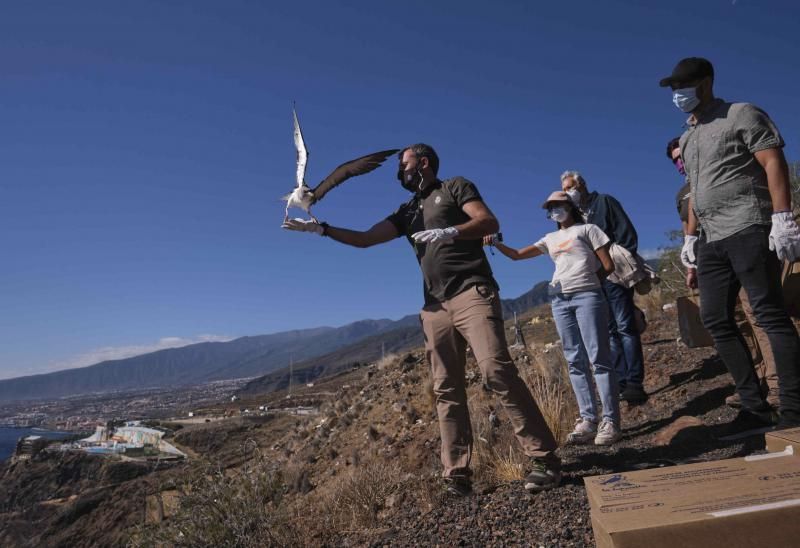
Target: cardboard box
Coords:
[(748, 502), (778, 441), (690, 326)]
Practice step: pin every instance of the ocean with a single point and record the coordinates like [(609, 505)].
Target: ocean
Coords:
[(9, 437)]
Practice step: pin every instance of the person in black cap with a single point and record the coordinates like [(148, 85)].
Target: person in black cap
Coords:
[(740, 195), (767, 374)]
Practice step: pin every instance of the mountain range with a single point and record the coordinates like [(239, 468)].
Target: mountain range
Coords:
[(316, 352)]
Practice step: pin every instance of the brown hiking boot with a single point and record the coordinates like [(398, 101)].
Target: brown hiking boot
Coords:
[(734, 400)]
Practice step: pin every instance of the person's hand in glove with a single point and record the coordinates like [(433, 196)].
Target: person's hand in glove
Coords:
[(688, 255), (435, 235), (302, 225), (784, 238)]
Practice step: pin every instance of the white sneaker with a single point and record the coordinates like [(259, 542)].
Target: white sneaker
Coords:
[(607, 434), (584, 431)]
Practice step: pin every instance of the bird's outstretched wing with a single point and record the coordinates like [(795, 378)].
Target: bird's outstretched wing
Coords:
[(302, 152), (359, 166)]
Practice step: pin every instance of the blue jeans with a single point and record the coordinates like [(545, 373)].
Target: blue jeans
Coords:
[(582, 323), (626, 344)]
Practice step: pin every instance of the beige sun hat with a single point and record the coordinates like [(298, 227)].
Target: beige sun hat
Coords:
[(557, 196)]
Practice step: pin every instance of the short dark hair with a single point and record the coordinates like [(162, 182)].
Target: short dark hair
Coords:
[(672, 145), (421, 150)]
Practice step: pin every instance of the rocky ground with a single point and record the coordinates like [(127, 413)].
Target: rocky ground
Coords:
[(681, 382), (364, 470)]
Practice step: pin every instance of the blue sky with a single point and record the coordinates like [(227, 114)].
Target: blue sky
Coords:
[(144, 147)]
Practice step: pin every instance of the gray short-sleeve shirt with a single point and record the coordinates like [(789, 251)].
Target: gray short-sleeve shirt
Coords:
[(728, 185)]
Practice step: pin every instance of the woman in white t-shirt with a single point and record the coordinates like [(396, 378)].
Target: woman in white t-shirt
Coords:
[(580, 311)]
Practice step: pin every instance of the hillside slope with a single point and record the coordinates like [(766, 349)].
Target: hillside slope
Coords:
[(312, 349), (363, 470), (242, 357), (372, 348)]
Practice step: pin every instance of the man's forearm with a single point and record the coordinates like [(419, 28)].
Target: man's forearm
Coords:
[(773, 162), (778, 181), (346, 236), (691, 225), (381, 232)]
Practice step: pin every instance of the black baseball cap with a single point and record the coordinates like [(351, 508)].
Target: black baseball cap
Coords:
[(690, 69)]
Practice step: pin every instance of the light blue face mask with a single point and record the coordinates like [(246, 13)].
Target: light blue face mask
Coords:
[(685, 99)]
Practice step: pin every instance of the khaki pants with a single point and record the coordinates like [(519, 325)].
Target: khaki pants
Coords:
[(474, 317), (766, 371)]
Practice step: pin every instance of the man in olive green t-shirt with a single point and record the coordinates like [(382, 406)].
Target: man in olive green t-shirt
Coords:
[(445, 221)]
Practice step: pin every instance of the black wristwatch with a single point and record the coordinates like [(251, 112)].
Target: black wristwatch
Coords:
[(325, 227)]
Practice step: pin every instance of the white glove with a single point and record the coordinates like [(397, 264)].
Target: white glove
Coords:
[(435, 235), (688, 256), (302, 225), (784, 238)]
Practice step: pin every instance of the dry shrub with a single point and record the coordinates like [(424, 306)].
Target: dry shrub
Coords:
[(342, 405), (556, 404), (509, 466), (496, 457), (295, 476), (426, 493), (241, 508), (553, 394), (483, 436), (549, 364), (355, 499), (651, 303), (359, 502), (346, 420), (672, 274), (389, 360), (430, 397)]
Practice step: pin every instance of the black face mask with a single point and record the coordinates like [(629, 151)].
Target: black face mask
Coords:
[(409, 181)]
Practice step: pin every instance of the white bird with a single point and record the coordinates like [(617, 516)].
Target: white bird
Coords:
[(304, 196)]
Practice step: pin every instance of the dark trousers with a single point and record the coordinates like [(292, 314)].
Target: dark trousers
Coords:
[(744, 260), (626, 343)]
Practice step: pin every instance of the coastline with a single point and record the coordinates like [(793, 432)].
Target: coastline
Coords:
[(10, 434)]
